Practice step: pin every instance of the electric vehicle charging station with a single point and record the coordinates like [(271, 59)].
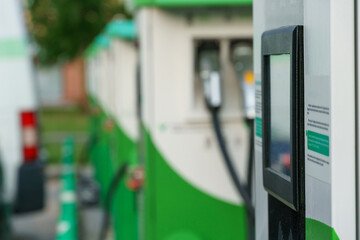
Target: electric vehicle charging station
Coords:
[(104, 80), (123, 105), (305, 134), (100, 114), (189, 193), (94, 56), (112, 79)]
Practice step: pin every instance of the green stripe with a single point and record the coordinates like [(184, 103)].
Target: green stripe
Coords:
[(258, 127), (318, 142), (316, 230), (13, 48)]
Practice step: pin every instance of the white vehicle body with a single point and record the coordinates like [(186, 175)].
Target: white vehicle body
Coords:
[(17, 92)]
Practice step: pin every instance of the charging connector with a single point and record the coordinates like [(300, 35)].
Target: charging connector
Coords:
[(209, 69)]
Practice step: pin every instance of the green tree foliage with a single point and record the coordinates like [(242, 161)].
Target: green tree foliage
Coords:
[(62, 29)]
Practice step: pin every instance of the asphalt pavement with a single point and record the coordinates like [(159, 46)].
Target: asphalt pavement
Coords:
[(42, 225)]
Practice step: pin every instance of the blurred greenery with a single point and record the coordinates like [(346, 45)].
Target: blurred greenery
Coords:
[(60, 119), (59, 122), (62, 29)]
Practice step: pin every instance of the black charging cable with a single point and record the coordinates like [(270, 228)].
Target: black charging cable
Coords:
[(120, 174), (250, 123), (251, 222), (243, 190), (90, 143)]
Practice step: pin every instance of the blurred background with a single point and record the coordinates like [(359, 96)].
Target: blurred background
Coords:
[(111, 110), (57, 34)]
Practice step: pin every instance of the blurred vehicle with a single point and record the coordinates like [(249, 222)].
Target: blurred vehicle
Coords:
[(19, 142)]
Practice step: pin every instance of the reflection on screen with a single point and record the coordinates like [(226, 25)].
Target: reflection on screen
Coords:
[(280, 113)]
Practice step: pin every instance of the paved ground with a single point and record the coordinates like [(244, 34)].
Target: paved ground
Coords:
[(91, 219), (42, 225)]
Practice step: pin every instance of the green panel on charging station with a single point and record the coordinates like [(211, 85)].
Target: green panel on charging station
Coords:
[(111, 150), (195, 215)]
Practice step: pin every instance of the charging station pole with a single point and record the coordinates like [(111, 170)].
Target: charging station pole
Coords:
[(306, 120)]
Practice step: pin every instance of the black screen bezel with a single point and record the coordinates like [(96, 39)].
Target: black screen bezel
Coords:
[(285, 40)]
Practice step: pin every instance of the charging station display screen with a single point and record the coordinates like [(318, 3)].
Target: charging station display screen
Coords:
[(280, 108)]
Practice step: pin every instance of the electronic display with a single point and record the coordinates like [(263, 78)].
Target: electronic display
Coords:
[(280, 108)]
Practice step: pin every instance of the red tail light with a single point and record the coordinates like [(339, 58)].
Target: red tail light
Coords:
[(29, 136)]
